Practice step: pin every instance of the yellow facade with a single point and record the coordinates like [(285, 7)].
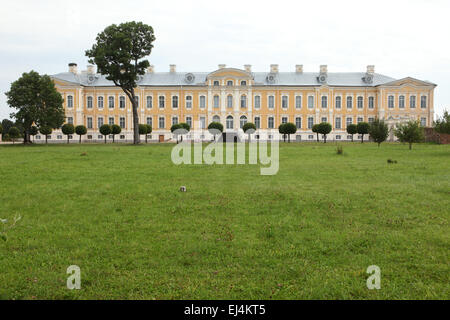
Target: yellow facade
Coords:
[(277, 102)]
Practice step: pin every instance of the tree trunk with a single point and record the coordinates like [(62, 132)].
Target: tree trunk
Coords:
[(114, 137), (67, 139), (379, 144), (410, 145), (105, 138), (80, 138), (249, 138), (324, 138), (146, 138), (289, 138), (352, 138), (136, 135), (46, 138), (362, 138), (26, 137), (317, 137)]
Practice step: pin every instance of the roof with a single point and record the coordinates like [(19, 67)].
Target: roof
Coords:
[(352, 79)]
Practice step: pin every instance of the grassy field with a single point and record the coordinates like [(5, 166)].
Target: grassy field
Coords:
[(309, 232)]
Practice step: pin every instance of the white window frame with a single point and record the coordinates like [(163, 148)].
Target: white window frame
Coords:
[(200, 104), (257, 106), (87, 102), (147, 100), (298, 97)]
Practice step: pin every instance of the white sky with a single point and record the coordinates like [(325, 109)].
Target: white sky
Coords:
[(402, 38)]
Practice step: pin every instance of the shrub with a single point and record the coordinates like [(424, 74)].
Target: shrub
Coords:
[(14, 133), (80, 130), (105, 130), (340, 150), (282, 130), (315, 129), (68, 129), (149, 130), (46, 130), (352, 129), (115, 129), (362, 128), (215, 128), (442, 125), (249, 128), (324, 128), (409, 132), (378, 131), (289, 129)]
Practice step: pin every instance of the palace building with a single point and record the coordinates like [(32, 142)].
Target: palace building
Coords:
[(235, 96)]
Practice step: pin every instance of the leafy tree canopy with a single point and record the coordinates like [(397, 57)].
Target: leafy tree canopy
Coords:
[(143, 129), (105, 129), (409, 132), (352, 129), (80, 130), (249, 127), (362, 128), (115, 129), (213, 126), (442, 125), (68, 129)]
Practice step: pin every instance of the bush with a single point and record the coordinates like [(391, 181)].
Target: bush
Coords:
[(290, 128), (14, 133), (324, 128), (378, 131), (315, 129), (409, 132), (362, 128), (352, 129), (340, 150), (68, 129), (46, 130), (249, 128), (105, 130), (115, 129), (215, 128), (442, 125), (80, 130)]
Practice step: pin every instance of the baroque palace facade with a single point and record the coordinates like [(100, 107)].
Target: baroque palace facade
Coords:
[(235, 96)]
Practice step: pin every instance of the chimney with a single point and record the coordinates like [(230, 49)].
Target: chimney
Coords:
[(90, 69), (274, 68), (324, 68), (248, 68), (73, 68), (151, 69), (222, 66), (299, 68), (173, 68), (371, 69)]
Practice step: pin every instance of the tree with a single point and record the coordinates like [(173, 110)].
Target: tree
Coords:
[(105, 130), (214, 128), (80, 130), (68, 129), (282, 130), (249, 128), (352, 129), (6, 124), (115, 129), (362, 128), (175, 130), (1, 129), (289, 129), (149, 130), (409, 132), (324, 128), (33, 131), (185, 128), (378, 131), (46, 130), (37, 102), (442, 125), (119, 54), (14, 133), (143, 129), (315, 129)]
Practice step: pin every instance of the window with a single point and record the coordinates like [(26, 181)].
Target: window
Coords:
[(270, 123), (257, 102), (298, 122), (423, 122), (100, 102), (111, 102), (401, 102), (189, 121), (90, 102), (216, 119), (69, 101), (89, 122), (174, 120), (122, 102), (359, 120), (310, 137), (360, 102), (257, 122), (311, 102), (242, 121), (202, 102), (412, 102), (310, 122), (324, 102), (150, 121), (149, 102), (161, 122), (111, 121), (229, 101), (216, 83), (230, 122), (100, 136), (59, 137), (349, 121), (324, 119), (371, 102), (337, 123), (99, 122), (202, 122), (122, 122), (162, 102), (423, 102), (349, 102), (229, 83), (70, 120), (271, 102), (243, 101), (122, 136), (391, 102), (188, 102), (371, 119), (338, 102), (216, 101), (298, 102), (284, 102), (175, 102), (284, 120), (338, 137), (243, 83)]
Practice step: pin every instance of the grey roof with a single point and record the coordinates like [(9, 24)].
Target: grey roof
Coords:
[(281, 79)]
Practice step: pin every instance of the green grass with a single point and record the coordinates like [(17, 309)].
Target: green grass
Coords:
[(309, 232)]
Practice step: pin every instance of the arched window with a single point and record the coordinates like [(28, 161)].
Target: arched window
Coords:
[(69, 101), (216, 119), (111, 102), (242, 121), (229, 101), (338, 102), (243, 101), (216, 83), (149, 102), (243, 83), (230, 123), (89, 102), (360, 102), (349, 102), (188, 102), (100, 102), (229, 83), (324, 102), (391, 102), (122, 102)]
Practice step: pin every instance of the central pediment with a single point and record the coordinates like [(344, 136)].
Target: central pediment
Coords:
[(230, 72)]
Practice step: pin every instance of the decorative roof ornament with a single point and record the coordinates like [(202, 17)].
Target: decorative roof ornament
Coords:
[(271, 77), (189, 78)]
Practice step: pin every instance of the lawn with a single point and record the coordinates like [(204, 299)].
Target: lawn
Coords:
[(309, 232)]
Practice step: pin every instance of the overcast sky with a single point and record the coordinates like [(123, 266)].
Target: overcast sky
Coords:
[(401, 38)]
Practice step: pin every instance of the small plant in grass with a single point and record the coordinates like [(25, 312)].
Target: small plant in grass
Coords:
[(351, 130), (391, 161), (68, 129), (6, 226), (80, 130), (340, 150), (14, 133), (105, 130)]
